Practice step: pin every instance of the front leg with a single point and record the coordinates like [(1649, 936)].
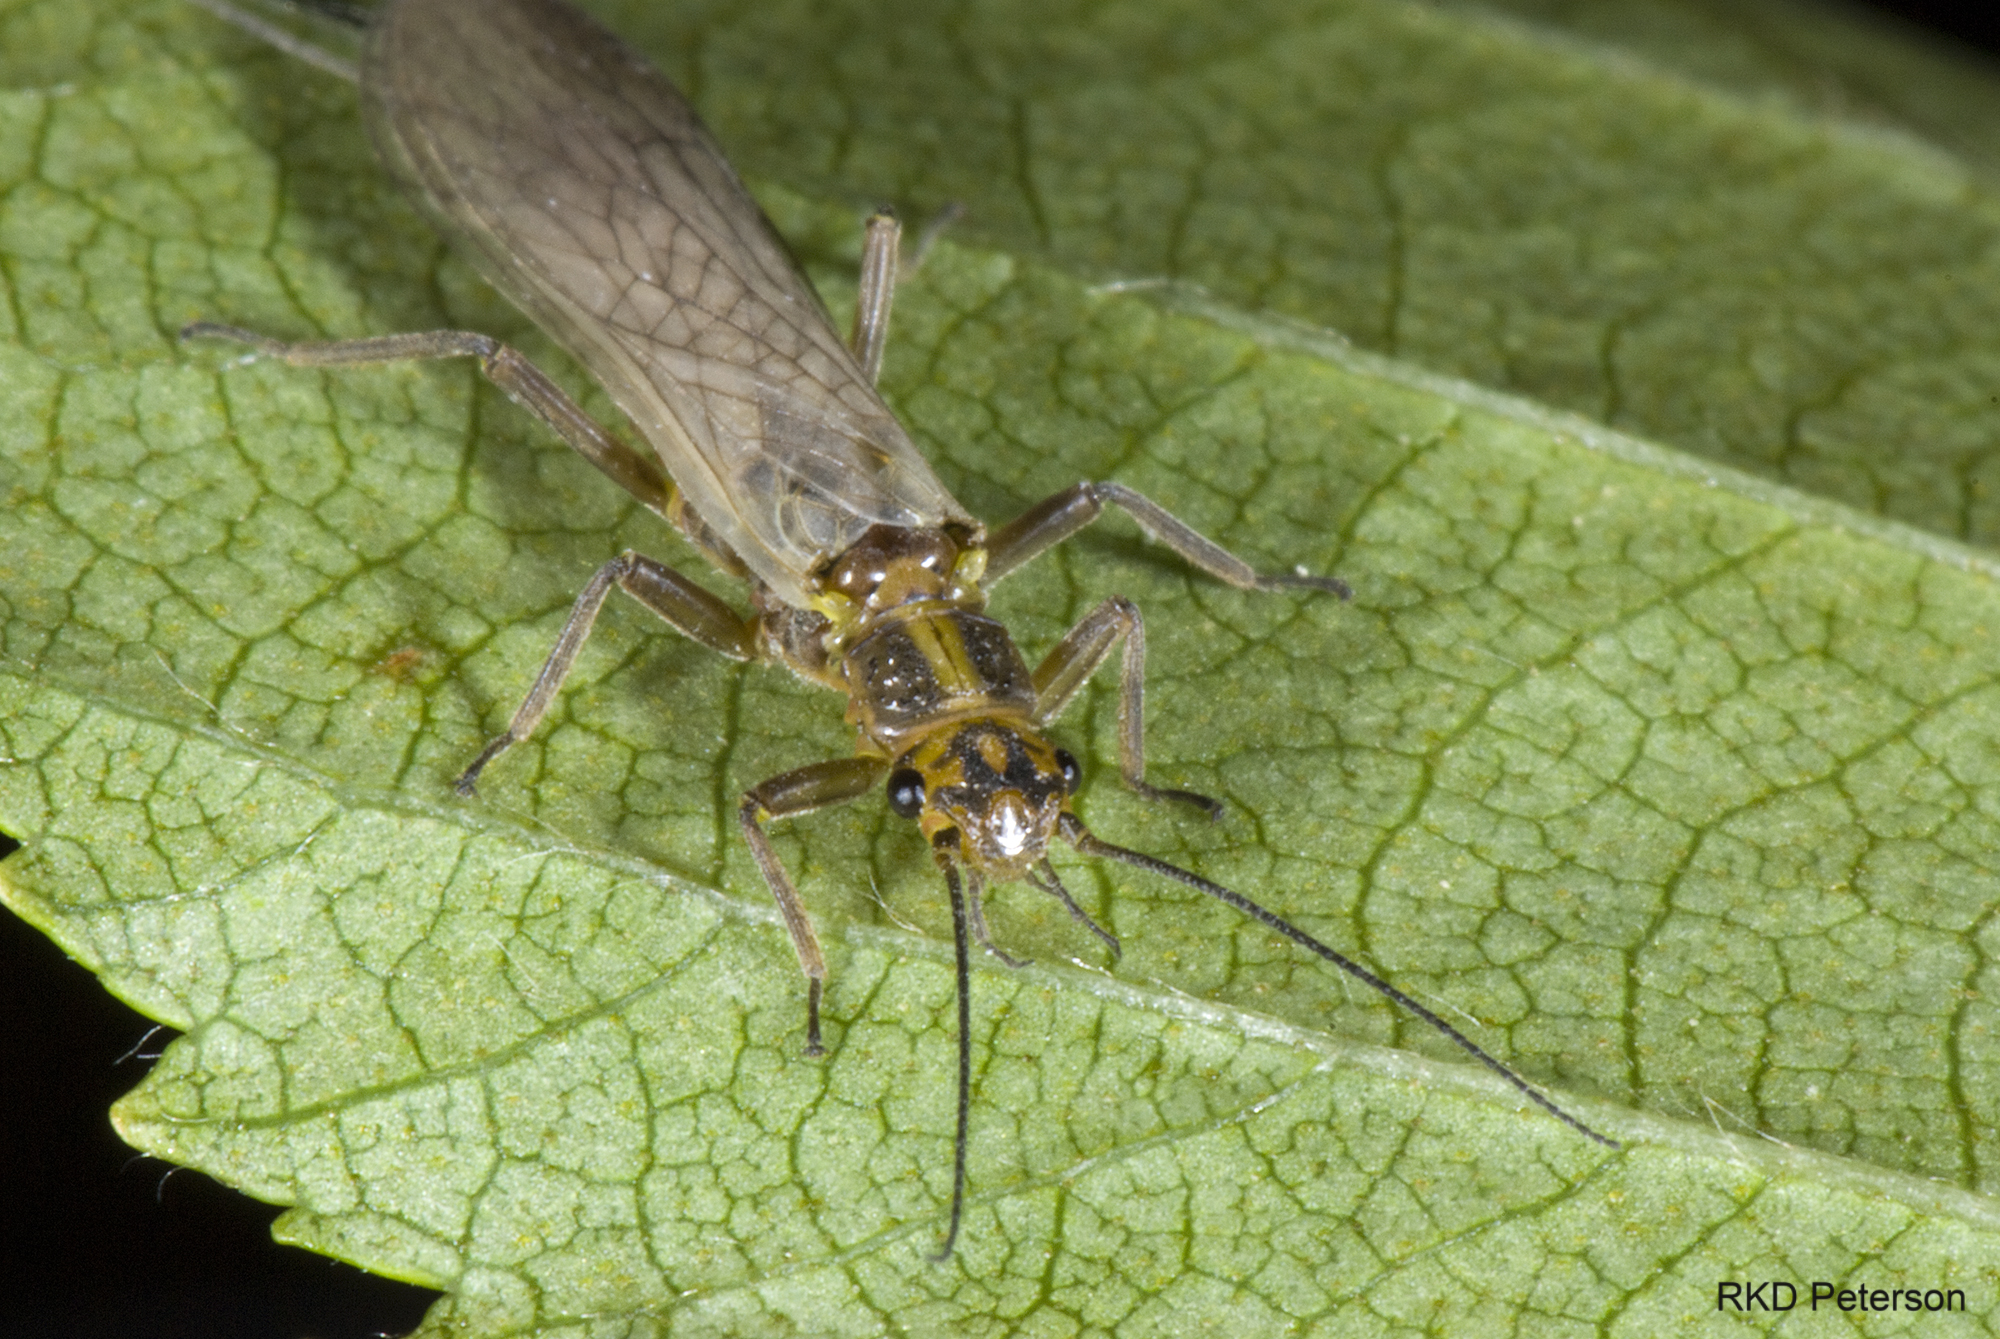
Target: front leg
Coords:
[(1077, 656), (800, 791)]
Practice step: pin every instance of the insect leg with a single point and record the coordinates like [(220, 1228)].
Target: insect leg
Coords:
[(1046, 880), (524, 383), (878, 292), (1054, 519), (691, 610), (977, 909), (1077, 656), (800, 791), (347, 16)]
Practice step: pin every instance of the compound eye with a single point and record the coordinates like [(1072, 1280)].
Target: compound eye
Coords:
[(906, 792), (1072, 770)]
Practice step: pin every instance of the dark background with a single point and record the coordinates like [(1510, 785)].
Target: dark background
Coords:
[(1972, 22), (97, 1242)]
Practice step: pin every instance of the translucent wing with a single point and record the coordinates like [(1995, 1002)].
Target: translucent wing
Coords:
[(586, 190)]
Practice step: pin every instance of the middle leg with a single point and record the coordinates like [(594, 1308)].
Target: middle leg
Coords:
[(1076, 657), (689, 607)]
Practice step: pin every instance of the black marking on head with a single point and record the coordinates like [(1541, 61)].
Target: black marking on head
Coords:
[(975, 749)]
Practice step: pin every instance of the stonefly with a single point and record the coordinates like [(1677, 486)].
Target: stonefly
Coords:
[(583, 186)]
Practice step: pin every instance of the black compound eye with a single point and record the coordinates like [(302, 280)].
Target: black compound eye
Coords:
[(1072, 770), (906, 792)]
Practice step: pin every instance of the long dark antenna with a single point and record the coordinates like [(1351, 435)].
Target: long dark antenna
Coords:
[(964, 1049), (1081, 837)]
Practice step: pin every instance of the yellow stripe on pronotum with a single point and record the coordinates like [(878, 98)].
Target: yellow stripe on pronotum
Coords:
[(583, 186)]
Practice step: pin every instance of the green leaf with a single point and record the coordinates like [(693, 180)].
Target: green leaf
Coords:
[(1766, 235), (1679, 787)]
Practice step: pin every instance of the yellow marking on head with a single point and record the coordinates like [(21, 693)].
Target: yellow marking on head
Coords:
[(992, 751), (999, 784)]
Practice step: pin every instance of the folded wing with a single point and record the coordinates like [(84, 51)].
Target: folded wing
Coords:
[(586, 190)]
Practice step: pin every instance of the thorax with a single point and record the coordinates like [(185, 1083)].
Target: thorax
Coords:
[(899, 627)]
